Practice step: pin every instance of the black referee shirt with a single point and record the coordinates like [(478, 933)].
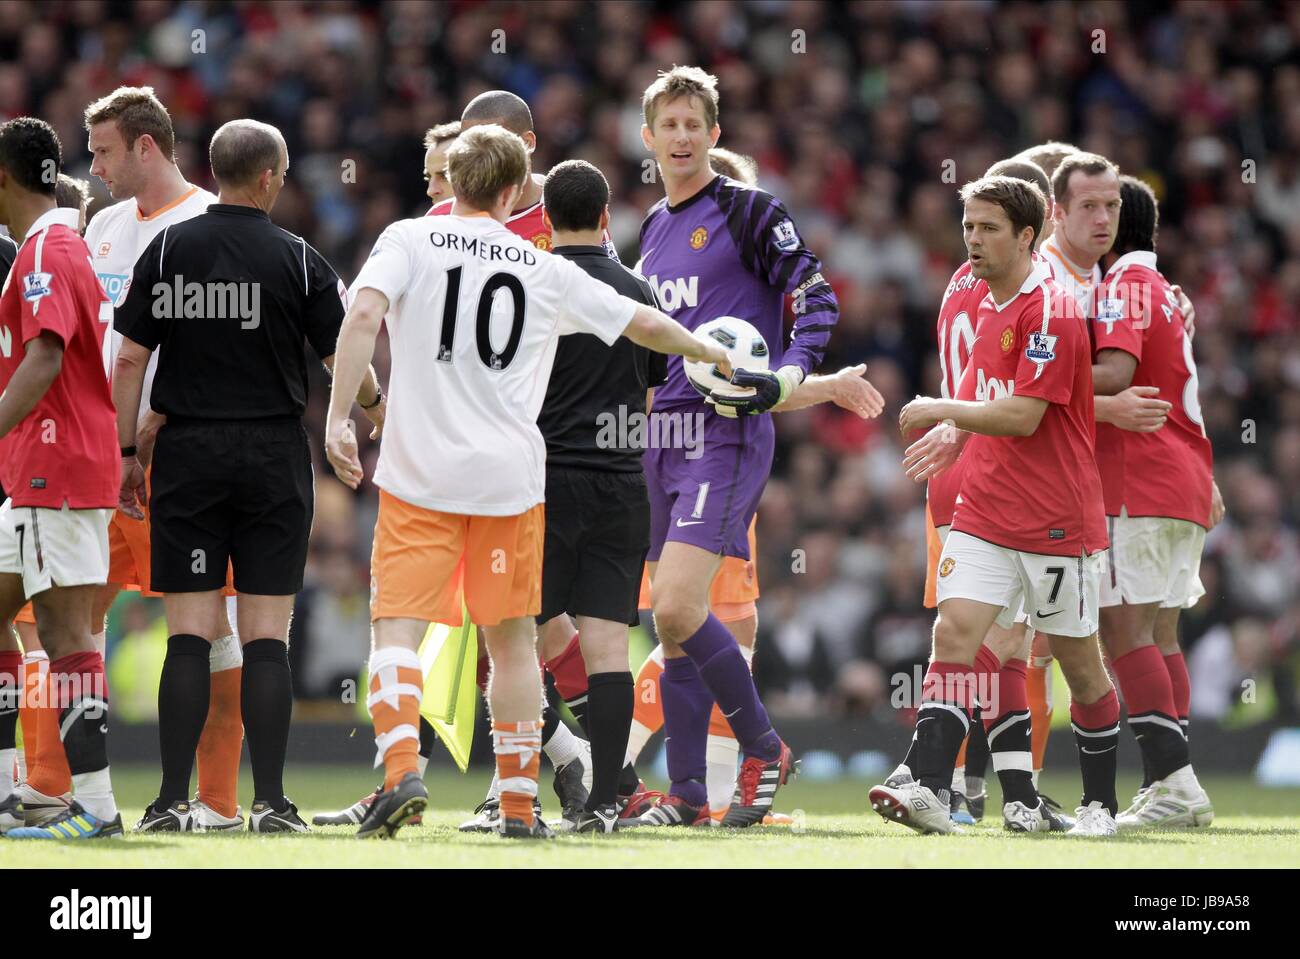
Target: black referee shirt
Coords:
[(598, 391), (230, 298)]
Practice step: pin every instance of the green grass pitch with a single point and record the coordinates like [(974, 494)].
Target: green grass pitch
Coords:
[(1255, 827)]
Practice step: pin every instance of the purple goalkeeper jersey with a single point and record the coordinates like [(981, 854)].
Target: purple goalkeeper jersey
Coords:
[(733, 250)]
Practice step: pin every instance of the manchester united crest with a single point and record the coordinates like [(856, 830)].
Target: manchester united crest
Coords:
[(542, 241), (699, 237), (1008, 340), (946, 567)]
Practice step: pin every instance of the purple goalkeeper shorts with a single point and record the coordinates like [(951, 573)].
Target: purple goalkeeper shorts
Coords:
[(705, 474)]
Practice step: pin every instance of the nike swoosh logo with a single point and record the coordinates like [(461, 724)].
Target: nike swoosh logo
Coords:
[(1097, 752), (694, 522), (732, 713), (1042, 615)]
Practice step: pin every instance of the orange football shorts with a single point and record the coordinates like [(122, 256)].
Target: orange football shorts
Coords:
[(424, 561)]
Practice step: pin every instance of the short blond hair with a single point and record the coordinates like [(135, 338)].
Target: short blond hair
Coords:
[(1047, 155), (735, 165), (680, 82), (483, 161), (136, 111)]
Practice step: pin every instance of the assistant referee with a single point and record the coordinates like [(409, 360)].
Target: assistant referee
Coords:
[(597, 507), (228, 298)]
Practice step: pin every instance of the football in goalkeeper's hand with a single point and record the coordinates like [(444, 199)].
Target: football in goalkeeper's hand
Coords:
[(746, 349)]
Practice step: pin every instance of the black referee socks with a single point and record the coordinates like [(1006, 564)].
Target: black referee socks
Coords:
[(609, 719), (266, 701), (182, 710)]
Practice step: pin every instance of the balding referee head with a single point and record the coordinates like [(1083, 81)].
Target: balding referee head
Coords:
[(249, 162)]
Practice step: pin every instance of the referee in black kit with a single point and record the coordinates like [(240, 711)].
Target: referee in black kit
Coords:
[(228, 298), (597, 508)]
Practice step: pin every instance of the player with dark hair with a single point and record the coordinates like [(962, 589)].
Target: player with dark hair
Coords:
[(54, 524), (597, 510), (1027, 396), (437, 141), (1161, 498), (1010, 727)]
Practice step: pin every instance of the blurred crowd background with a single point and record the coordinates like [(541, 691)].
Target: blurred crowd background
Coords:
[(853, 113)]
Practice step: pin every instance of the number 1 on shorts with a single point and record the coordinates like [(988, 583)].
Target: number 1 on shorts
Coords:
[(698, 512)]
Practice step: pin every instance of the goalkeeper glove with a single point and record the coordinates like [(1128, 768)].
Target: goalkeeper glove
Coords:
[(770, 389)]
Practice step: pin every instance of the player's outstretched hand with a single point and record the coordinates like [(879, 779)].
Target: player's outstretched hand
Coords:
[(1189, 311), (1138, 410), (376, 414), (341, 450), (933, 453), (917, 415), (1217, 509), (854, 392), (132, 496)]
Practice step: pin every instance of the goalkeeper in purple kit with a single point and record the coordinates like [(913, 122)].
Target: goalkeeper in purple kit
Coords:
[(716, 247)]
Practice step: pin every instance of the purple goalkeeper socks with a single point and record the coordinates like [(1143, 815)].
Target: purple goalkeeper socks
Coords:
[(717, 656), (687, 705)]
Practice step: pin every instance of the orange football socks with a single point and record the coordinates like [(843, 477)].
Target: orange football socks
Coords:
[(222, 741), (396, 685), (518, 748)]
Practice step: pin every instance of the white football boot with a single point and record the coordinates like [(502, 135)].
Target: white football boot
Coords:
[(1175, 802), (914, 806), (38, 808), (1093, 819), (207, 819), (1138, 802)]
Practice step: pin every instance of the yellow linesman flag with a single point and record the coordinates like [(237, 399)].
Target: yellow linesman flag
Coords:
[(449, 658)]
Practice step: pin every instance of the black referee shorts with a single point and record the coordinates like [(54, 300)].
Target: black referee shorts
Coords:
[(237, 490), (597, 536)]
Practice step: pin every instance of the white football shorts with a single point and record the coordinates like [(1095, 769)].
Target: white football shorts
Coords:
[(1059, 593), (1153, 559), (1020, 616), (54, 547)]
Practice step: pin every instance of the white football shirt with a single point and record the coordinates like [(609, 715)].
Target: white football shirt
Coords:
[(474, 316), (116, 237)]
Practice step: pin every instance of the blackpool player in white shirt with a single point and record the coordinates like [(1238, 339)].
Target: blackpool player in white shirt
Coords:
[(474, 313)]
